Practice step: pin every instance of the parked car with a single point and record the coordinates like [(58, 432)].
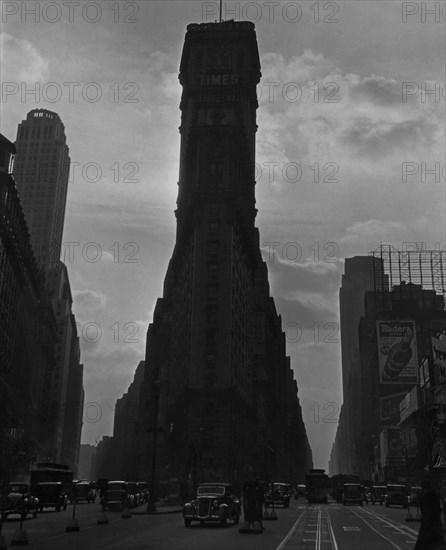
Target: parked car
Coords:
[(115, 497), (414, 495), (214, 502), (18, 500), (52, 494), (82, 490), (396, 495), (352, 494), (378, 494), (278, 493)]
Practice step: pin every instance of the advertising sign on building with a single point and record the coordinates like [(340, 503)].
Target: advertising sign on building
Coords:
[(439, 357), (423, 373), (397, 352), (409, 404), (390, 407), (391, 445)]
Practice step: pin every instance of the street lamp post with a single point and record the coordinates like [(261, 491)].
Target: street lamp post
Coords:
[(151, 504)]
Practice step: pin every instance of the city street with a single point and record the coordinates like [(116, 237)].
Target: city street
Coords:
[(302, 526)]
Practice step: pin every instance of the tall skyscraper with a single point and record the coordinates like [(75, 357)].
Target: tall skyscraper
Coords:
[(361, 274), (41, 171), (219, 386)]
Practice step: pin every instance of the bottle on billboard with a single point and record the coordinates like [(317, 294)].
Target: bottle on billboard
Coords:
[(399, 355)]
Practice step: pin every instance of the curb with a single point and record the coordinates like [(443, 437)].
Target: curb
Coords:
[(145, 513)]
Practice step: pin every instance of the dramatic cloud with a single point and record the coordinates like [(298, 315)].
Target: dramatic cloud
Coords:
[(333, 134), (21, 62), (89, 300)]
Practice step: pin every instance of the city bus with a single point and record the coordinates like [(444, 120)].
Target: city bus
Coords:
[(318, 486), (337, 484)]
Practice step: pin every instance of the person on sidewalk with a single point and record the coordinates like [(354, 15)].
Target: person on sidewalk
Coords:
[(253, 497), (430, 535)]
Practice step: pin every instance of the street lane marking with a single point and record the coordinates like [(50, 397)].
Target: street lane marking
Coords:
[(380, 534), (401, 529), (380, 518), (330, 529), (352, 528), (318, 533), (291, 531), (83, 529)]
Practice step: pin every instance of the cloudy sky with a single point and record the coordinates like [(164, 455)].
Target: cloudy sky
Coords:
[(347, 135)]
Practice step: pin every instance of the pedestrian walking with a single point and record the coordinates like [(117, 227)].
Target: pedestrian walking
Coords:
[(430, 535)]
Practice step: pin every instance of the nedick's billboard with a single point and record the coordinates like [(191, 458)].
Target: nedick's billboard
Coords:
[(397, 352)]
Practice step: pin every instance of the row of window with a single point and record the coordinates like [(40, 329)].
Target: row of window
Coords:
[(35, 132), (219, 58)]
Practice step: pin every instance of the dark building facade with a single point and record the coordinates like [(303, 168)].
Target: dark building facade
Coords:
[(369, 440), (361, 274), (41, 170), (127, 446), (219, 395), (67, 378), (28, 333)]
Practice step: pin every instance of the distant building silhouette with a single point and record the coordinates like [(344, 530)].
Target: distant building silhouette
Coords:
[(219, 395), (42, 171)]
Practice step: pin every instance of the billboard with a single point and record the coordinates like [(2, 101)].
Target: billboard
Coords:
[(409, 404), (397, 352), (391, 445), (390, 407), (439, 357)]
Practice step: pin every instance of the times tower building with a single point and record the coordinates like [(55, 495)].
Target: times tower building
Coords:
[(220, 397)]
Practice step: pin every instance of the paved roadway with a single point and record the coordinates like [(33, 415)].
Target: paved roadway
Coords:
[(301, 527)]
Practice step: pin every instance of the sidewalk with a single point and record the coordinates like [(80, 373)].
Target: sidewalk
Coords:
[(161, 508)]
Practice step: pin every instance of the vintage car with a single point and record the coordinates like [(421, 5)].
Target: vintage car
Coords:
[(115, 497), (396, 495), (52, 494), (352, 494), (300, 491), (378, 494), (278, 493), (214, 502), (18, 500), (82, 490)]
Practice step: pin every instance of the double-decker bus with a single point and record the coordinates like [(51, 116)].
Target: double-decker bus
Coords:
[(318, 486)]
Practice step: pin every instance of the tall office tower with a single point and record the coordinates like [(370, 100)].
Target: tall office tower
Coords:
[(361, 274), (27, 338), (41, 171), (219, 386)]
